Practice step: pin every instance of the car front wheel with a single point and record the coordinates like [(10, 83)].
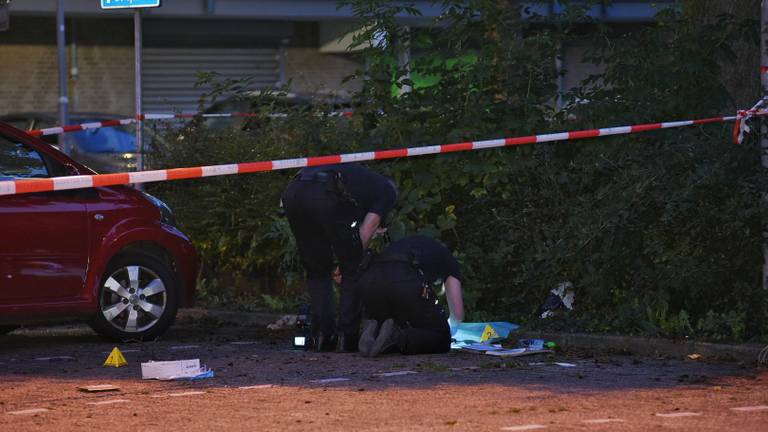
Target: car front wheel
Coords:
[(138, 299)]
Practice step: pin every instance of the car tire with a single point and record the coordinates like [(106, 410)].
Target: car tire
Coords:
[(138, 297)]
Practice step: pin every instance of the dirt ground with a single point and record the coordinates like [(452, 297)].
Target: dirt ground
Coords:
[(262, 384)]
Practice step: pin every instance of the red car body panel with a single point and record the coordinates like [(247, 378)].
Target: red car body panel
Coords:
[(61, 242)]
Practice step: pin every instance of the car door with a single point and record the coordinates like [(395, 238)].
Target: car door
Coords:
[(43, 236)]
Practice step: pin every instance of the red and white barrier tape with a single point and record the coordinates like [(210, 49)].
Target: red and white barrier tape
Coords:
[(80, 127), (14, 187), (741, 128), (111, 123)]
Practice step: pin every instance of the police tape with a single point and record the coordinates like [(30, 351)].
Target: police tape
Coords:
[(22, 186), (145, 117), (741, 127)]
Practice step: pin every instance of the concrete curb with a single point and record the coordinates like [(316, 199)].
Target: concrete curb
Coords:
[(651, 347), (228, 316)]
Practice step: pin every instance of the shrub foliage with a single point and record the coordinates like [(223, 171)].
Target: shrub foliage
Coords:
[(660, 233)]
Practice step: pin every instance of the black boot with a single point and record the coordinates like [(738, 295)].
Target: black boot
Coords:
[(324, 343), (347, 343), (391, 338)]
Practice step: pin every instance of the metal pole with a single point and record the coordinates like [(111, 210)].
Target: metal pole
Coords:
[(764, 124), (63, 93), (137, 42)]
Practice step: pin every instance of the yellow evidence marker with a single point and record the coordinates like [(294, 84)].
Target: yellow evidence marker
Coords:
[(488, 333), (115, 359)]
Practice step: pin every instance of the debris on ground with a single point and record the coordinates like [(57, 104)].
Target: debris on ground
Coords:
[(561, 296), (99, 388), (286, 321), (176, 369), (517, 352)]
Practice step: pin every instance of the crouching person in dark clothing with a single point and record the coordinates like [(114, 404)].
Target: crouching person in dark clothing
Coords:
[(336, 210), (398, 299)]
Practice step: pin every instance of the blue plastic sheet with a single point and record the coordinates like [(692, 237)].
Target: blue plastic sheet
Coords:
[(471, 333)]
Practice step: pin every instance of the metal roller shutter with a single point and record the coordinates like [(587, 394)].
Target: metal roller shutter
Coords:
[(169, 73)]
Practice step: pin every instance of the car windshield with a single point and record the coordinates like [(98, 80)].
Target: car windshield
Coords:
[(19, 161)]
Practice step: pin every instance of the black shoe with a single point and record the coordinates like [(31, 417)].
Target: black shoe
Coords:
[(390, 336), (370, 331), (346, 343), (324, 343)]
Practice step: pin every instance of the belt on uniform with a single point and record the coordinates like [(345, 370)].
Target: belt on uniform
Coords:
[(321, 176)]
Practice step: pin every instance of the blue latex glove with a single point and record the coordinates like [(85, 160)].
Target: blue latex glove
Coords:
[(453, 323)]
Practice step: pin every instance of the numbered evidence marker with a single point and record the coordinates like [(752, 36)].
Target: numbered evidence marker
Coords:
[(115, 359), (488, 333)]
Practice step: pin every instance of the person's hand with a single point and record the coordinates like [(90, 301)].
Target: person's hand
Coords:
[(380, 231), (337, 275)]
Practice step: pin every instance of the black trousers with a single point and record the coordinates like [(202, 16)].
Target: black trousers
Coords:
[(393, 290), (321, 222)]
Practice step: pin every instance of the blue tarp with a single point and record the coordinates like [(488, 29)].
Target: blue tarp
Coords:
[(469, 333)]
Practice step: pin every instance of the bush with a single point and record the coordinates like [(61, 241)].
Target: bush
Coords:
[(660, 233)]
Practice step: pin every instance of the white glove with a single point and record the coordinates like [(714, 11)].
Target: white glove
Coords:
[(453, 323)]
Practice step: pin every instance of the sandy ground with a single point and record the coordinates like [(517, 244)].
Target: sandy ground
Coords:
[(262, 384)]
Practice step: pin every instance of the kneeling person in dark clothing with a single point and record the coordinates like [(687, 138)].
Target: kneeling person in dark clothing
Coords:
[(335, 210), (403, 313)]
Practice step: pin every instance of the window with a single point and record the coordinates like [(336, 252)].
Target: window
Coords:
[(20, 161)]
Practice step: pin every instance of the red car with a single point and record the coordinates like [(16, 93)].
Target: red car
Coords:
[(112, 255)]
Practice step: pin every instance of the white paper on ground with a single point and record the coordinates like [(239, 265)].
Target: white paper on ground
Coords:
[(517, 352), (481, 347), (166, 370)]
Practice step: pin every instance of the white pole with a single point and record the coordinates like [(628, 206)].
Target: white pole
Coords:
[(63, 92), (137, 43)]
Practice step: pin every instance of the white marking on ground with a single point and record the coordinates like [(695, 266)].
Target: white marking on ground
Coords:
[(678, 414), (257, 387), (56, 358), (465, 368), (329, 380), (189, 393), (184, 347), (565, 364), (28, 411), (751, 408), (524, 427), (601, 421), (398, 373), (109, 402)]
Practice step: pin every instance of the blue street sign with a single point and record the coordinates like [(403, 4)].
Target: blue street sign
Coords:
[(129, 4)]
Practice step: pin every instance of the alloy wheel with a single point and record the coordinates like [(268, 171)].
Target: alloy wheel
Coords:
[(133, 299)]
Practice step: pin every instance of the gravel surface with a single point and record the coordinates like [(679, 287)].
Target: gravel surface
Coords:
[(262, 384)]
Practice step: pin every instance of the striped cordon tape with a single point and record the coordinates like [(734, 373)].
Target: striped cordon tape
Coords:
[(112, 123), (14, 187)]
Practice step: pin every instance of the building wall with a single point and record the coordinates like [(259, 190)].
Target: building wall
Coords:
[(29, 66), (106, 80), (29, 79), (313, 72)]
